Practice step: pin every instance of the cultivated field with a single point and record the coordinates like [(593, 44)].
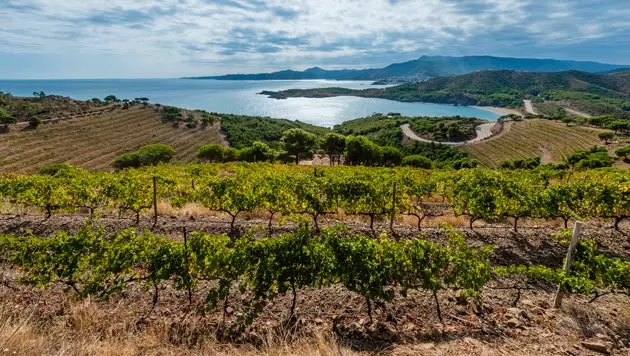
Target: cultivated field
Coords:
[(533, 138), (93, 142)]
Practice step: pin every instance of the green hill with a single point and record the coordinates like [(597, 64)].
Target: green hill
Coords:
[(605, 93)]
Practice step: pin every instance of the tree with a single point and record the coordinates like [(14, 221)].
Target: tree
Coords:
[(230, 154), (258, 152), (212, 153), (298, 142), (34, 121), (417, 161), (361, 151), (150, 155), (6, 119), (606, 137), (392, 156), (623, 152), (334, 145), (111, 99)]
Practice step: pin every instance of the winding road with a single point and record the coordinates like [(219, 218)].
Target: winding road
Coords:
[(529, 107), (483, 132)]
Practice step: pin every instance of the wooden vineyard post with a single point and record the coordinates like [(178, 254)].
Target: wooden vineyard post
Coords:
[(557, 303), (393, 213), (155, 209)]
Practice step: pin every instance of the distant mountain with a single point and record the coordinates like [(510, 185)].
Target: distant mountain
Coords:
[(427, 67)]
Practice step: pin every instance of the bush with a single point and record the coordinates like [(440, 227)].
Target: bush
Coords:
[(258, 152), (126, 160), (230, 154), (606, 136), (417, 161), (150, 155), (529, 163), (34, 121), (361, 151), (212, 153), (596, 157), (54, 169), (297, 143), (391, 156)]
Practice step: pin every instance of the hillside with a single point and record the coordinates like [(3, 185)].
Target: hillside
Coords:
[(532, 138), (94, 141), (47, 106), (428, 67), (601, 93)]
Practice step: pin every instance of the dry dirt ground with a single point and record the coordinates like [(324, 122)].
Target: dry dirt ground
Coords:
[(331, 320)]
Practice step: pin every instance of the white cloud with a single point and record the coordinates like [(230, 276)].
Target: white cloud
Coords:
[(189, 37)]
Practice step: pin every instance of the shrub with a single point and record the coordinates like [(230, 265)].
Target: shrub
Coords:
[(417, 161), (126, 160), (34, 121), (54, 169), (391, 156), (297, 142), (606, 136), (258, 152), (150, 155), (361, 151), (6, 119), (212, 153), (230, 154)]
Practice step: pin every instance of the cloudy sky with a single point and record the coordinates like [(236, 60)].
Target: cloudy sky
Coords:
[(172, 38)]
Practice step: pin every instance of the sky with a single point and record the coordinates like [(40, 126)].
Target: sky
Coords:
[(173, 38)]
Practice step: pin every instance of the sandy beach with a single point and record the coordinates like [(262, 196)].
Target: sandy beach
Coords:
[(498, 110)]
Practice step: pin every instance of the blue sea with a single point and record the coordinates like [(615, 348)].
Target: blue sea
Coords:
[(240, 97)]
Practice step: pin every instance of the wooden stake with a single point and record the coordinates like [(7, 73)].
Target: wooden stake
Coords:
[(557, 303), (155, 210)]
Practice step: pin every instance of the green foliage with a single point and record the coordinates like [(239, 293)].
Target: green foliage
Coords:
[(243, 131), (150, 155), (334, 145), (212, 153), (417, 161), (606, 136), (57, 168), (361, 151), (297, 142), (623, 152), (391, 156), (34, 121), (529, 163), (111, 99), (596, 157), (6, 119)]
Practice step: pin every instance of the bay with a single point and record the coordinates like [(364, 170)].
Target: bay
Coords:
[(240, 97)]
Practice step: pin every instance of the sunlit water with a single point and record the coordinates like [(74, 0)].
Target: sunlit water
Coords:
[(240, 97)]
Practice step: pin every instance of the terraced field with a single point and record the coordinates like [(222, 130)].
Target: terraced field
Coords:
[(533, 138), (93, 142)]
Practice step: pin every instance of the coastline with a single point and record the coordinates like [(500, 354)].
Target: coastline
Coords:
[(498, 110)]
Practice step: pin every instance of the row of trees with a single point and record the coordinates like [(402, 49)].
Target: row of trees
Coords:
[(491, 196), (92, 264), (298, 144)]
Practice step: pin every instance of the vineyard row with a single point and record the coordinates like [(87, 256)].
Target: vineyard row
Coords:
[(92, 264), (480, 194)]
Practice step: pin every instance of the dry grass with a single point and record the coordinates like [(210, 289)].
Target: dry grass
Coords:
[(94, 142), (533, 138), (88, 330)]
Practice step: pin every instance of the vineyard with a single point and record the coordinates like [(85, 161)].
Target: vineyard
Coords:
[(233, 189), (235, 279), (93, 142), (534, 138)]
